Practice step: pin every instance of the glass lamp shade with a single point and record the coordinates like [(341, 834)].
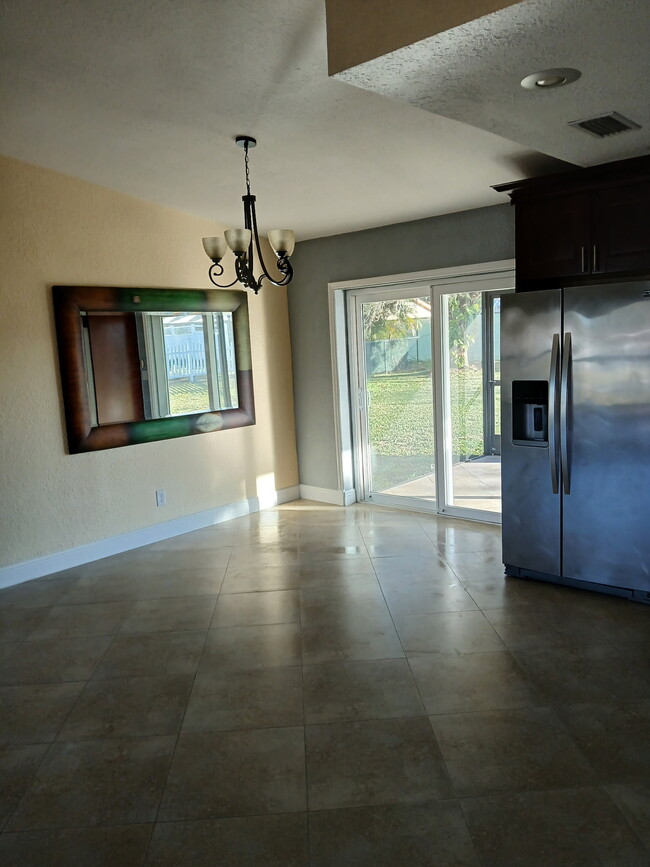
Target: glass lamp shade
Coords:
[(215, 248), (282, 241), (238, 240)]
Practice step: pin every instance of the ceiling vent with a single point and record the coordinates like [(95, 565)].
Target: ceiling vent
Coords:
[(605, 124)]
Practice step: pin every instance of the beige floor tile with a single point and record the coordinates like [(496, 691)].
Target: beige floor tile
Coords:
[(254, 841), (340, 691), (356, 637), (55, 661), (107, 782), (82, 621), (34, 713), (576, 826), (18, 764), (418, 835), (242, 773), (263, 698), (152, 655), (124, 845), (448, 632), (509, 750), (170, 615), (255, 576), (18, 623), (128, 707), (373, 762), (613, 737), (241, 648), (465, 682), (633, 800), (256, 609)]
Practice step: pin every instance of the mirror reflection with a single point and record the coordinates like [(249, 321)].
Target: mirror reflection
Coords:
[(153, 365)]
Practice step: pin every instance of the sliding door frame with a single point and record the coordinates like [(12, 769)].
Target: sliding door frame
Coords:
[(420, 282), (442, 405), (360, 398)]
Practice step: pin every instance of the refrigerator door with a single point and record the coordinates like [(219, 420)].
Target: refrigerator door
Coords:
[(531, 324), (606, 537)]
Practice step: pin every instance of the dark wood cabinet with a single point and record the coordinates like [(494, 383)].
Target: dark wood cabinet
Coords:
[(621, 229), (552, 236), (582, 224)]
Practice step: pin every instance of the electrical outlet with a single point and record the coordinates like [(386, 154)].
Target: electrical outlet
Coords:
[(161, 497)]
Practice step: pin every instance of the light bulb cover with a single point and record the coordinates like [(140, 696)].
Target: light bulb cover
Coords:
[(238, 240), (282, 241), (215, 248), (547, 79)]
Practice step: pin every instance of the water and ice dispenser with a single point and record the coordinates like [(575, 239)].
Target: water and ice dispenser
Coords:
[(530, 412)]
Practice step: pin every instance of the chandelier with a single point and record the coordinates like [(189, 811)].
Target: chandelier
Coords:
[(245, 242)]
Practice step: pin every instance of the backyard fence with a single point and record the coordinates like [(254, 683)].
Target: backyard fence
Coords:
[(186, 361), (391, 356)]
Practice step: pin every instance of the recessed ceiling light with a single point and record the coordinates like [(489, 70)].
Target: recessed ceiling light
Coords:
[(548, 78)]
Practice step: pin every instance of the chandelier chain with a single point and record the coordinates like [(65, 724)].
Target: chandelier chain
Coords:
[(248, 177)]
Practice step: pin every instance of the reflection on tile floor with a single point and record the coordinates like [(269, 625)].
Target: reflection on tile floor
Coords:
[(314, 685)]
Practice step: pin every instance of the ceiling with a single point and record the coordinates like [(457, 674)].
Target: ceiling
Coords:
[(473, 72), (146, 98)]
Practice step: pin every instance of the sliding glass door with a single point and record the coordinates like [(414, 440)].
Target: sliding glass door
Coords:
[(394, 399), (426, 396)]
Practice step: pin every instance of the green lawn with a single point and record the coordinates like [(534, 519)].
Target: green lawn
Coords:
[(187, 397), (401, 423)]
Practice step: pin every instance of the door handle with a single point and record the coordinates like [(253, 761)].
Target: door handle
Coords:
[(583, 259), (564, 414), (594, 258), (552, 403)]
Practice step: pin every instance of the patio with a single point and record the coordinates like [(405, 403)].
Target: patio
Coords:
[(476, 485)]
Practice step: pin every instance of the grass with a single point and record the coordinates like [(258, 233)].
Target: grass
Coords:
[(186, 397), (401, 423)]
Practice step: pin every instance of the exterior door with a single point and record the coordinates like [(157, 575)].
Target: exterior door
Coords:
[(607, 374), (394, 406)]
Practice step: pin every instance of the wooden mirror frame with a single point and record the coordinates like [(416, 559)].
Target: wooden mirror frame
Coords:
[(71, 301)]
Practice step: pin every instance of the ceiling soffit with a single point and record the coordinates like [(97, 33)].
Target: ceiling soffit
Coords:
[(360, 30), (472, 73)]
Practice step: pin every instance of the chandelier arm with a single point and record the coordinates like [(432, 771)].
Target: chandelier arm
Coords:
[(217, 268), (281, 259)]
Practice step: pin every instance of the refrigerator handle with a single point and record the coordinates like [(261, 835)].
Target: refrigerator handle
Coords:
[(552, 406), (564, 414)]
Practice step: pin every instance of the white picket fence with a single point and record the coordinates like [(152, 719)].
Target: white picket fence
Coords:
[(186, 361)]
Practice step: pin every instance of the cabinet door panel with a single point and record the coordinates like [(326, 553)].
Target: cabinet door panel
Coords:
[(621, 232), (552, 236)]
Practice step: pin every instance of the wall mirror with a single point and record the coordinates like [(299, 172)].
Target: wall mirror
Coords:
[(139, 365)]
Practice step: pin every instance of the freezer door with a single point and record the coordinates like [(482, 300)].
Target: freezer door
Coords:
[(530, 366), (607, 510)]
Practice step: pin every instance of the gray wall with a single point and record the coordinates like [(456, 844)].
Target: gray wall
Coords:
[(465, 238)]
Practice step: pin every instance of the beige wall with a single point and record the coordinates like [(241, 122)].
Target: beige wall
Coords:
[(360, 30), (59, 230)]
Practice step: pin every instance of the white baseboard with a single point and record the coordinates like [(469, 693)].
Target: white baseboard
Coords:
[(327, 495), (26, 571)]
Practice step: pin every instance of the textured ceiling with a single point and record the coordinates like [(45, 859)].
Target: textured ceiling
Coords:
[(146, 97), (472, 74)]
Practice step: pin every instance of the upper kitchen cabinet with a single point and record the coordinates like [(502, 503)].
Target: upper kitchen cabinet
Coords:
[(581, 224), (552, 236), (621, 229)]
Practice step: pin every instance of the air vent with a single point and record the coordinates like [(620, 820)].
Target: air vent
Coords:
[(605, 124)]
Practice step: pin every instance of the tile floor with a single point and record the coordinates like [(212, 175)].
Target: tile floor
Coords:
[(323, 686)]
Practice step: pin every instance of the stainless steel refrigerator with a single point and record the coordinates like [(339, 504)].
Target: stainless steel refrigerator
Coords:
[(576, 436)]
